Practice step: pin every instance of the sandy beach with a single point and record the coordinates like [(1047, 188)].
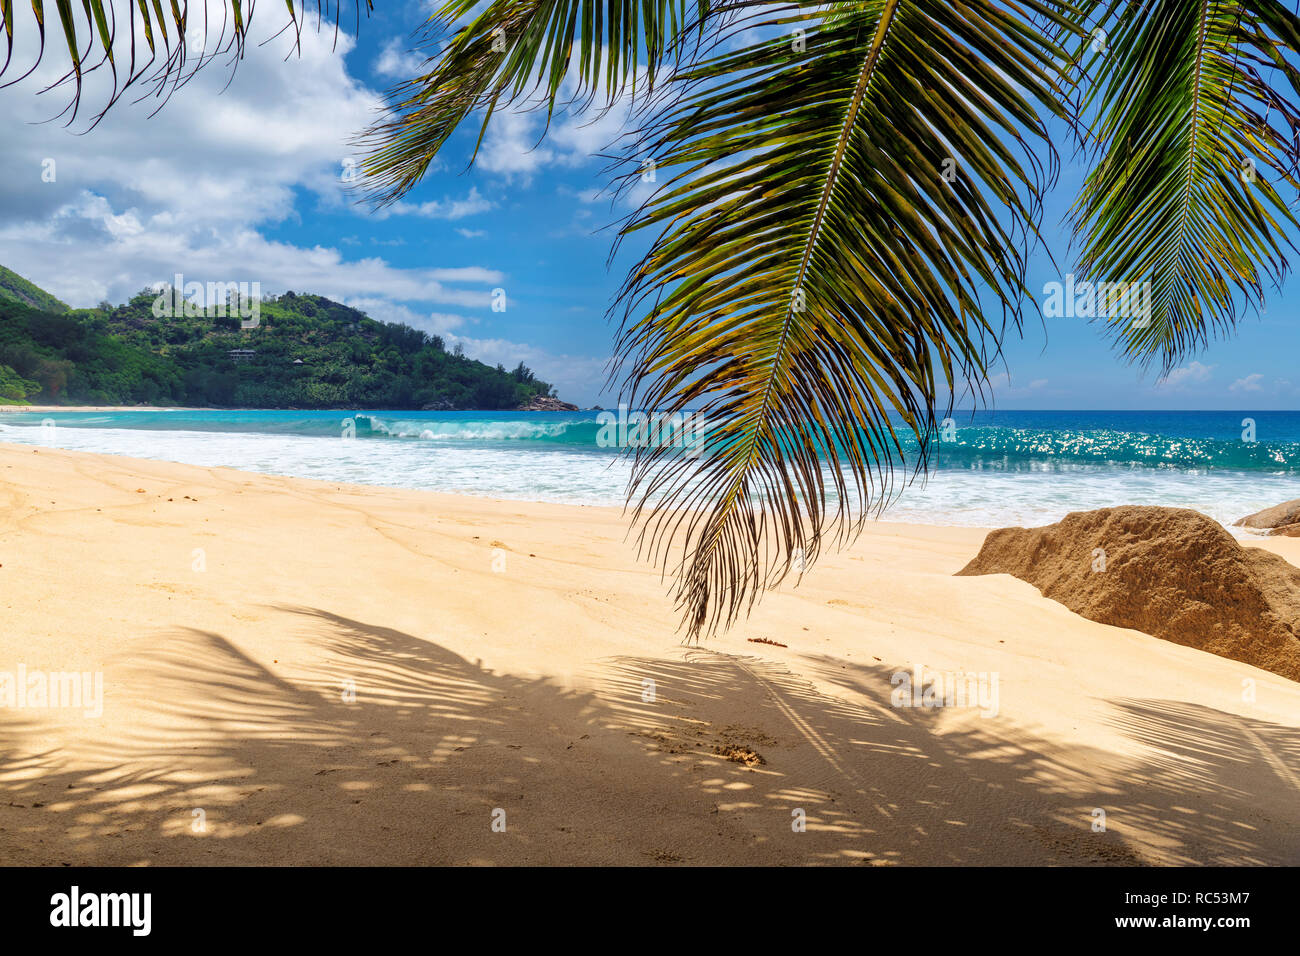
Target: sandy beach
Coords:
[(299, 672)]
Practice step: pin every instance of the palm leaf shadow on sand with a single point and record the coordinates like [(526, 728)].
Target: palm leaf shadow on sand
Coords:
[(1205, 791), (709, 771)]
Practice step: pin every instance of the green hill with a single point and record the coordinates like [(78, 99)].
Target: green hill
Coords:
[(17, 289), (305, 352)]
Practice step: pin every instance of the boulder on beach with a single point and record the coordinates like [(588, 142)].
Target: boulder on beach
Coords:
[(1279, 519), (1169, 572)]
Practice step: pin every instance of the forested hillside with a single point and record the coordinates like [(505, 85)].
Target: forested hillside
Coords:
[(306, 351)]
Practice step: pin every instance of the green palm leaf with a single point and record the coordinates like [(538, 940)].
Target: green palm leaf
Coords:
[(513, 50), (94, 38), (815, 270), (1192, 134)]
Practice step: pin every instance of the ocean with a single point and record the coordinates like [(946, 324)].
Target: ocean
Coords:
[(991, 468)]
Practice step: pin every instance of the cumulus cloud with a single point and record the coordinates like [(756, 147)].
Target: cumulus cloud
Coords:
[(208, 157), (512, 146), (521, 140), (140, 198), (1251, 383), (445, 208), (396, 62), (100, 254), (1194, 373)]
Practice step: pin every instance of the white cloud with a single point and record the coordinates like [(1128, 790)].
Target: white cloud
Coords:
[(87, 252), (589, 135), (511, 148), (471, 233), (445, 208), (398, 63), (139, 198), (515, 146), (211, 156), (1194, 373), (444, 323), (1251, 383)]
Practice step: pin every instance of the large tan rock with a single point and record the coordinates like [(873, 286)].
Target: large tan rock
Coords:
[(1170, 572), (1279, 519)]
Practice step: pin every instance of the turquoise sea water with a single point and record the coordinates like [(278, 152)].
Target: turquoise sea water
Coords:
[(991, 469)]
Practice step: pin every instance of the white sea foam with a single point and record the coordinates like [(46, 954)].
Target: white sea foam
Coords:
[(535, 471)]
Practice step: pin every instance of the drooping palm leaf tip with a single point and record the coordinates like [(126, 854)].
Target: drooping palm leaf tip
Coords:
[(160, 44), (1194, 125), (847, 212)]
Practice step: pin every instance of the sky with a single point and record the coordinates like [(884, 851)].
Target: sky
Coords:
[(245, 178)]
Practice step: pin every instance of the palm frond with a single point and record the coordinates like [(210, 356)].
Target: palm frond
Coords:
[(155, 49), (513, 50), (1192, 136), (815, 270)]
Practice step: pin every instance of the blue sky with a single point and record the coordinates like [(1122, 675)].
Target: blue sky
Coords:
[(246, 184)]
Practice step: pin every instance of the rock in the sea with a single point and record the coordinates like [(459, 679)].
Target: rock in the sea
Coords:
[(541, 403), (1172, 573), (1279, 519)]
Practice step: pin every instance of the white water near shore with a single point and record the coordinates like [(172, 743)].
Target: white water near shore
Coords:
[(530, 459)]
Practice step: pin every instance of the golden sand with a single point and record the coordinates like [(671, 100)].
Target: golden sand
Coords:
[(305, 672)]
